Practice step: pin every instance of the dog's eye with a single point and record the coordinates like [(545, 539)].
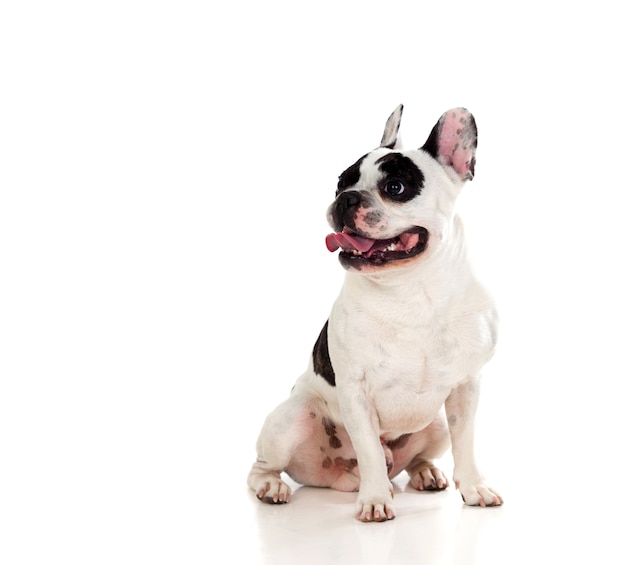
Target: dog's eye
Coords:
[(394, 187)]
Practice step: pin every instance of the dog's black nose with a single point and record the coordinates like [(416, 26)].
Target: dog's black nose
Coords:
[(346, 202), (344, 207), (348, 199)]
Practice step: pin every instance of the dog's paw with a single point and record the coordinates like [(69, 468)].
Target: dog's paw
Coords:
[(371, 507), (428, 477), (272, 490), (479, 495)]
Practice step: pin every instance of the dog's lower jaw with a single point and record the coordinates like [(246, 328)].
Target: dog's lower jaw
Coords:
[(375, 265), (385, 259)]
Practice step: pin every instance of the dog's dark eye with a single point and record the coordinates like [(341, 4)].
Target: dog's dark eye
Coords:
[(394, 187)]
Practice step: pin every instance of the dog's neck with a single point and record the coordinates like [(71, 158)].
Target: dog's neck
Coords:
[(439, 271)]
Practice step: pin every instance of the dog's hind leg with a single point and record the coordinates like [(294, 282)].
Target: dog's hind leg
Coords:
[(301, 439), (290, 442), (278, 439)]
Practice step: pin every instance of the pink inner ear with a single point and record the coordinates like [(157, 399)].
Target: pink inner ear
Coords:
[(457, 142)]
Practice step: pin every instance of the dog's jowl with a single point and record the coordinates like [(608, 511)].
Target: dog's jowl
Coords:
[(393, 378)]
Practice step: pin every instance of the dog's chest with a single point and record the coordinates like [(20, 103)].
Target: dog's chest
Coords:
[(409, 368), (409, 376)]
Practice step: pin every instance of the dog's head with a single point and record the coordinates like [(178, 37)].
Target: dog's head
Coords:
[(392, 207)]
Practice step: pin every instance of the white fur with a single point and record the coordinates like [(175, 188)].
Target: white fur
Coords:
[(405, 342)]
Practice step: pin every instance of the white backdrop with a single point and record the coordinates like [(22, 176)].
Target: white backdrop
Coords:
[(165, 168)]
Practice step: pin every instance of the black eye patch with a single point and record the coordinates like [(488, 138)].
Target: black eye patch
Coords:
[(398, 170), (350, 176)]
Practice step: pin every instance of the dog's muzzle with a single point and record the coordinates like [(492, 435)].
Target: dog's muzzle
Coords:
[(358, 251)]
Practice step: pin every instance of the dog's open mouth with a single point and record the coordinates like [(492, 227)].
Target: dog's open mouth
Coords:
[(356, 249)]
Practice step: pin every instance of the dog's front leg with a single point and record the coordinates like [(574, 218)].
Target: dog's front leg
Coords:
[(361, 422), (461, 407)]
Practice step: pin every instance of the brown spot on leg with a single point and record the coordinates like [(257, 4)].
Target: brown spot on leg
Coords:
[(329, 426), (345, 464), (335, 442), (331, 432), (327, 463)]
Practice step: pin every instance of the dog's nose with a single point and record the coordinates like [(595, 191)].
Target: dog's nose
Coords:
[(343, 210), (346, 201)]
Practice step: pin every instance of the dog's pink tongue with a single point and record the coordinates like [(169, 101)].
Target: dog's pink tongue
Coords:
[(349, 242)]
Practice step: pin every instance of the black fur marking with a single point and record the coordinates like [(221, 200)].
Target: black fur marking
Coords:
[(321, 359), (350, 176), (432, 143), (398, 167)]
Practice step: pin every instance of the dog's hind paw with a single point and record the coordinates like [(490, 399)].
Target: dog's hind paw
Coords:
[(426, 476), (272, 490)]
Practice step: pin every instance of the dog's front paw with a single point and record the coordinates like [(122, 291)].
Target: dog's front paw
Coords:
[(373, 507), (479, 494)]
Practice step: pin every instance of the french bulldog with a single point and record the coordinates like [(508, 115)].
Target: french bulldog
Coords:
[(393, 379)]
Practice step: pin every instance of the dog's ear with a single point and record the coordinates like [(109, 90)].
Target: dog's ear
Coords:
[(390, 138), (453, 142)]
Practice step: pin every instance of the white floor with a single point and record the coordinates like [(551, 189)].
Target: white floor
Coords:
[(178, 501), (540, 522)]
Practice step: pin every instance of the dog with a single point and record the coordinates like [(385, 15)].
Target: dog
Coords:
[(393, 379)]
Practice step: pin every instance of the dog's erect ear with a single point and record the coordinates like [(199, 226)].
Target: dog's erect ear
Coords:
[(453, 142), (390, 136)]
